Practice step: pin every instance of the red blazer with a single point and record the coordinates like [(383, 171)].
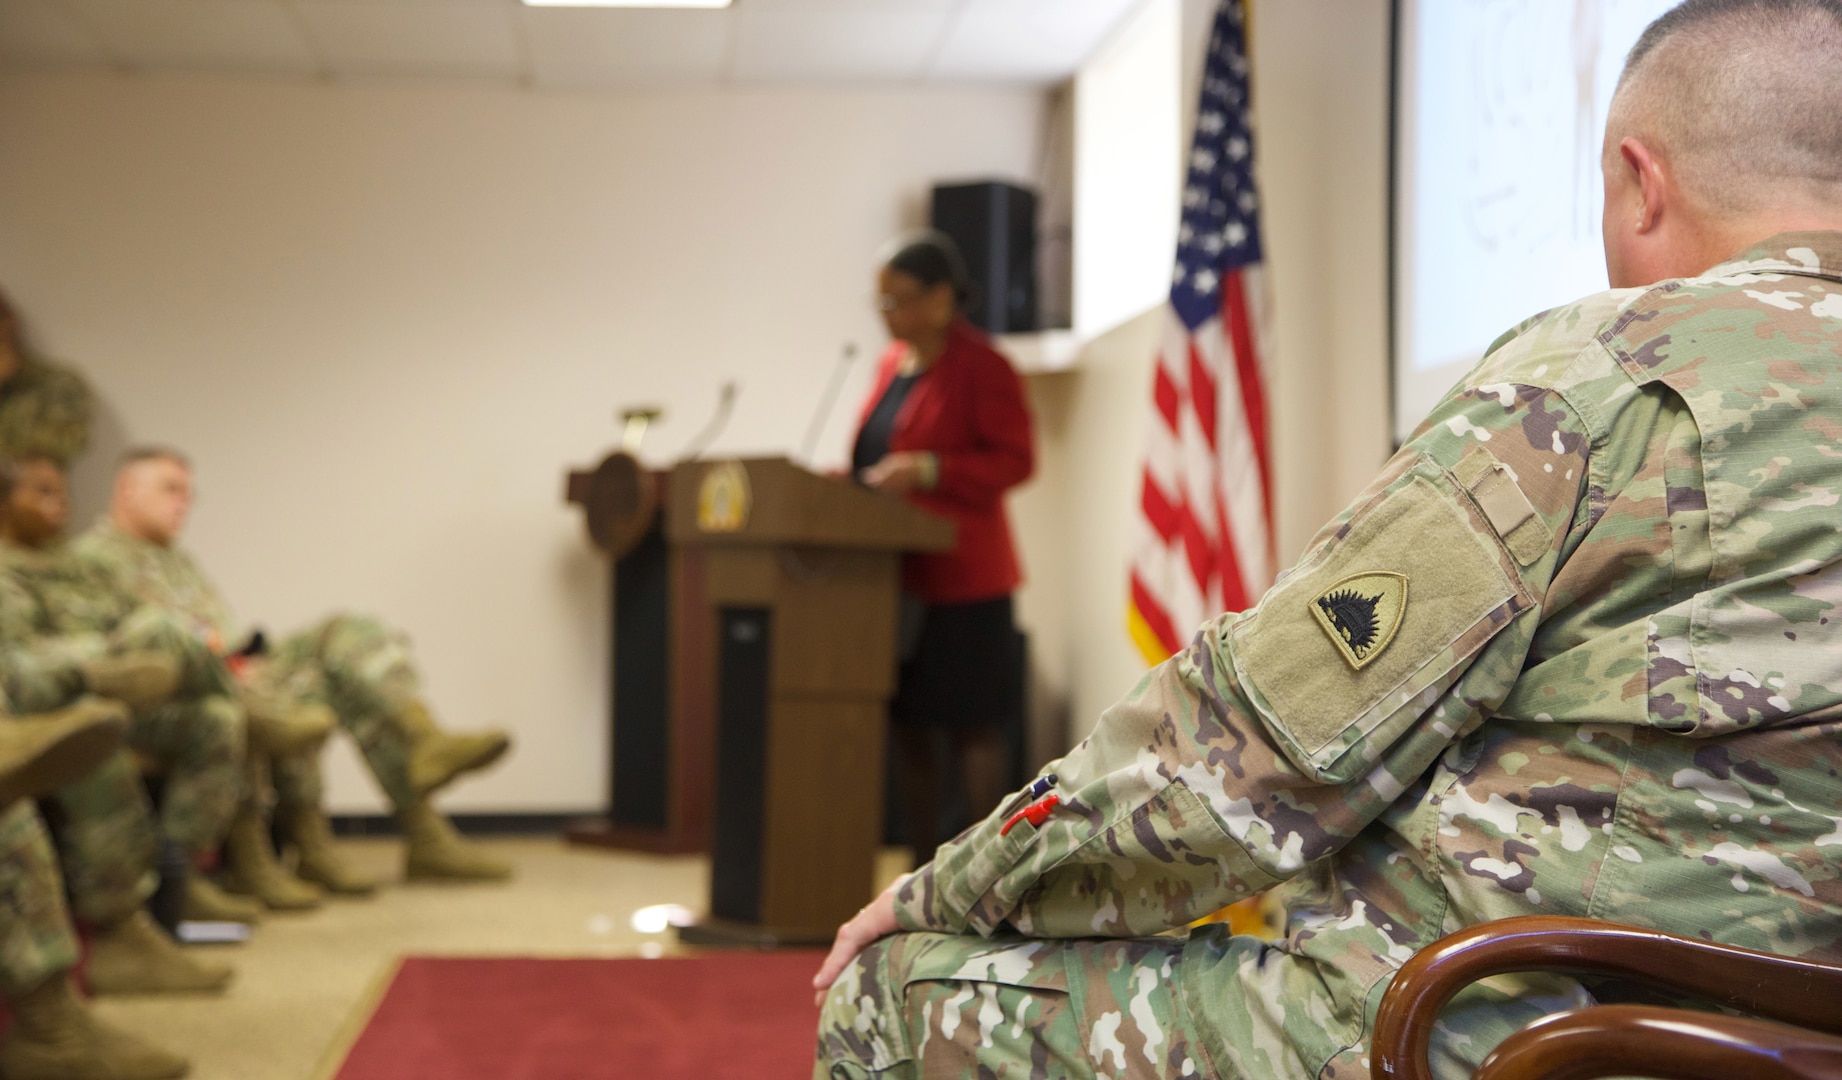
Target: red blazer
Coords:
[(968, 409)]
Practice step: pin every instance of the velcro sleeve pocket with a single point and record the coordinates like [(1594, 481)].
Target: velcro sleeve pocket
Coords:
[(1335, 707)]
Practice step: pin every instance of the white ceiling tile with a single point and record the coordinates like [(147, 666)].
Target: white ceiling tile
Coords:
[(585, 47), (413, 39), (1027, 39), (837, 44), (243, 35), (866, 6), (40, 32)]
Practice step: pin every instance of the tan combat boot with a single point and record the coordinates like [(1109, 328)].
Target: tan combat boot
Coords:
[(320, 862), (437, 853), (44, 752), (138, 679), (252, 869), (136, 957), (56, 1037), (205, 902), (437, 757), (283, 729)]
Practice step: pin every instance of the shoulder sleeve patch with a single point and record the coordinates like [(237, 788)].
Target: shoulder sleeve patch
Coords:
[(1415, 583)]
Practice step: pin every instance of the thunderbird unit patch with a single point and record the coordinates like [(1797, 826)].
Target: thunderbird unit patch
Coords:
[(1361, 613)]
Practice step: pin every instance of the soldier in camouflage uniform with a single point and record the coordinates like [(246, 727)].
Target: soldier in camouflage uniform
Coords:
[(44, 408), (53, 1036), (108, 834), (353, 665), (1575, 652), (63, 634)]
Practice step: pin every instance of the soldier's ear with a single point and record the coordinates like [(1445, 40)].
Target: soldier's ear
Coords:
[(1651, 175)]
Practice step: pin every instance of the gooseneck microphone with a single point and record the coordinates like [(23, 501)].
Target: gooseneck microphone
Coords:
[(822, 416), (725, 405)]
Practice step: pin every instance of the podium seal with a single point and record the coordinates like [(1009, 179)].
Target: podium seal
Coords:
[(723, 498)]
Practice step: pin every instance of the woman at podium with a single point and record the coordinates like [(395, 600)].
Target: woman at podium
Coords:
[(946, 427)]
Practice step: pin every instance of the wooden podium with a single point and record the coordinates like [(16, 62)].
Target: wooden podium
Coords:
[(778, 660)]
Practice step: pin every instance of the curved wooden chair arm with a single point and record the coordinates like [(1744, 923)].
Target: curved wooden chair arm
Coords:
[(1798, 992), (1644, 1040)]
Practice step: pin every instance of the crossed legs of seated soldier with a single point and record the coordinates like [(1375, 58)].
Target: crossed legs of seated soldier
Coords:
[(359, 671), (109, 839), (54, 1035), (186, 726)]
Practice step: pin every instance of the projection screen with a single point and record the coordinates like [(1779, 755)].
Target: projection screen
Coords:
[(1499, 112)]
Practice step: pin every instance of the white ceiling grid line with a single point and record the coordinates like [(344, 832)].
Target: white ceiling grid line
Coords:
[(1030, 42)]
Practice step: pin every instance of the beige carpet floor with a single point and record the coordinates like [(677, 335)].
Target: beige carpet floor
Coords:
[(295, 1006)]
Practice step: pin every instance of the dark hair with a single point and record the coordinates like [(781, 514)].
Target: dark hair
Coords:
[(932, 259), (137, 454), (1690, 12)]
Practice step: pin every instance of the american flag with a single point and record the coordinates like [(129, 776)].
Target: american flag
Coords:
[(1205, 538)]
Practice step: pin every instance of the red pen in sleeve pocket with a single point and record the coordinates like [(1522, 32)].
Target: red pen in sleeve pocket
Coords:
[(1036, 813)]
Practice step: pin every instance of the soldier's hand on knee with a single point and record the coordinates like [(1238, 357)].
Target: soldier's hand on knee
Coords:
[(874, 920)]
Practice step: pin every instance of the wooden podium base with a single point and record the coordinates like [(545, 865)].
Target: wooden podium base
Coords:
[(724, 934), (601, 833)]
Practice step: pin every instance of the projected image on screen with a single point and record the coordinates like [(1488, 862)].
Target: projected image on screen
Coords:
[(1501, 111)]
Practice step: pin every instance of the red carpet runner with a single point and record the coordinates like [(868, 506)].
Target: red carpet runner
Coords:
[(742, 1015)]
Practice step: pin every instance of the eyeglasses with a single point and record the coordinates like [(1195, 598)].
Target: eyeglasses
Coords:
[(887, 302)]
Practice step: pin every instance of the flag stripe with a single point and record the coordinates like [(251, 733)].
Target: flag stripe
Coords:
[(1158, 510), (1156, 620), (1253, 393)]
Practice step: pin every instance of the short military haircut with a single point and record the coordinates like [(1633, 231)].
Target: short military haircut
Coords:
[(1742, 98), (135, 455)]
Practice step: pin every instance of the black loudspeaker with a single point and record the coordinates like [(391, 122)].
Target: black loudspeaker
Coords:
[(994, 225)]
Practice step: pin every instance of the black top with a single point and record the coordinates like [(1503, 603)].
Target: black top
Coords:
[(873, 441)]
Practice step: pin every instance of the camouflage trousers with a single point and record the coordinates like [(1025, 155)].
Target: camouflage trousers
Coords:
[(362, 670), (941, 1005), (36, 939), (108, 837), (1217, 1004)]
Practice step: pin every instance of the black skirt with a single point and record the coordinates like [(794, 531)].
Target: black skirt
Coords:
[(964, 670)]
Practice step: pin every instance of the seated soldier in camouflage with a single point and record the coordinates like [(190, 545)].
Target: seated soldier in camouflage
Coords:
[(1576, 651), (54, 1036), (182, 723), (354, 665), (44, 408), (62, 633)]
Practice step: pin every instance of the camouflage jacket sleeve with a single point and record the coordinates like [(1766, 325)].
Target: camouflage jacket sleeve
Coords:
[(1282, 732), (38, 671)]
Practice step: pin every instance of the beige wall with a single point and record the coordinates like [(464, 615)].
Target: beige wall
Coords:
[(1320, 71), (385, 318)]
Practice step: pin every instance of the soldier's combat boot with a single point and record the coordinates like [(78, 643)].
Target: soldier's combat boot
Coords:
[(205, 902), (319, 861), (437, 853), (252, 869), (55, 1036), (135, 956), (138, 679), (437, 758), (46, 751), (283, 729)]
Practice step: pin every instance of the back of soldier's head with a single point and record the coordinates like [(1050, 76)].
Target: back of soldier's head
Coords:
[(1744, 100)]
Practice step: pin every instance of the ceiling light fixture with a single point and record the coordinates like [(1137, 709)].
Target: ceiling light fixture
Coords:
[(629, 3)]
